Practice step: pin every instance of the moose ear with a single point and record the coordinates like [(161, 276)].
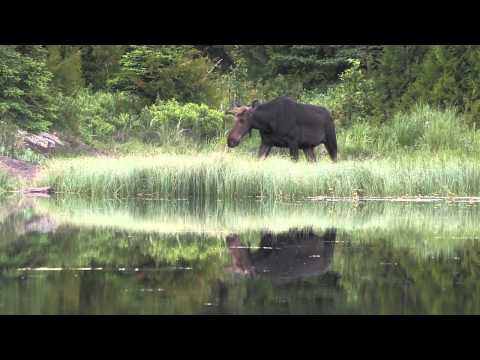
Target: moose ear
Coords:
[(255, 103)]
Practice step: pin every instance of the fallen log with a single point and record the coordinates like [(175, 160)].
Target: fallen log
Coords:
[(41, 190)]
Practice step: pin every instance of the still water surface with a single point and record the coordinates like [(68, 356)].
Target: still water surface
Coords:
[(74, 256)]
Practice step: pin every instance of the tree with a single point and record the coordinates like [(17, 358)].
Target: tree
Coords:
[(101, 63), (168, 72), (25, 87), (65, 63), (397, 69), (449, 77)]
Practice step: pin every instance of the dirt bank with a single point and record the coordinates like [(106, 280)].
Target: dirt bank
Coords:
[(18, 168)]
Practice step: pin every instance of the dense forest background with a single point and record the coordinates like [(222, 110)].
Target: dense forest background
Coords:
[(103, 93)]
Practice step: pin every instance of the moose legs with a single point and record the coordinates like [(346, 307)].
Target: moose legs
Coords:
[(264, 151), (294, 152), (310, 154)]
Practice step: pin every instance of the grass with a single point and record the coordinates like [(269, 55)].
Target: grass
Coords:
[(423, 152), (6, 183), (228, 176)]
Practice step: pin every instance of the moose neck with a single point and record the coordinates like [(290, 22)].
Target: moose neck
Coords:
[(258, 124)]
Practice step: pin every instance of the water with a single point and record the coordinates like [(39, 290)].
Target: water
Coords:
[(79, 256)]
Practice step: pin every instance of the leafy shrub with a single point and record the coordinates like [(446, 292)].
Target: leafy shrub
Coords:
[(197, 119), (99, 115), (351, 100)]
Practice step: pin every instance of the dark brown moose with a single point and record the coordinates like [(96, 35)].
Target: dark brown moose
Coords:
[(285, 256), (285, 123)]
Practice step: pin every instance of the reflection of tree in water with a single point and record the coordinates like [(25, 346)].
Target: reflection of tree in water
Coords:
[(381, 279), (289, 272)]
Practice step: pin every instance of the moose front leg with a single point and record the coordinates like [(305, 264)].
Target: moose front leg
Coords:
[(264, 151), (294, 152)]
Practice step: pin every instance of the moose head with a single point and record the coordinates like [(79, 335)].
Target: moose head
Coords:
[(242, 123)]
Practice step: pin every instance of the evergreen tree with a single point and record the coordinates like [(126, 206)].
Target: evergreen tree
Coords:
[(168, 72), (65, 63), (397, 69), (449, 77), (25, 87), (100, 64)]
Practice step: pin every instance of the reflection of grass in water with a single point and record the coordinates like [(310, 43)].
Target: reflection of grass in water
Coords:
[(228, 176), (388, 256), (428, 228)]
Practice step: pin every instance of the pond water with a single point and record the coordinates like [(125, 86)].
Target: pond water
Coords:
[(81, 256)]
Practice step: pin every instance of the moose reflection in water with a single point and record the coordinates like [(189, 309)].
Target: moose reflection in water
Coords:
[(285, 256)]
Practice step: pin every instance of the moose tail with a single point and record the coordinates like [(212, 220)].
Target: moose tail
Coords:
[(331, 141)]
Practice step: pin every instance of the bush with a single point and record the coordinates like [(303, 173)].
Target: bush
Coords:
[(99, 115), (349, 102), (199, 121)]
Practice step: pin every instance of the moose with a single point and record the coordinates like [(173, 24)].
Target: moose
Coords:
[(285, 123), (284, 257)]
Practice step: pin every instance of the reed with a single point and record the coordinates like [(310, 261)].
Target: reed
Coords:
[(229, 177)]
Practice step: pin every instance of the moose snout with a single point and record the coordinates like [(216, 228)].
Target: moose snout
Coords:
[(232, 142)]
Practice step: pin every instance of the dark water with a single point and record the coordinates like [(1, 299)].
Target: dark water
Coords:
[(60, 256)]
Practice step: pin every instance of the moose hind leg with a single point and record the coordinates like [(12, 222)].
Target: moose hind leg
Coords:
[(310, 154)]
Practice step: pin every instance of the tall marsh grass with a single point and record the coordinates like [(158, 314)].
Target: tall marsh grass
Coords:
[(424, 152), (226, 176), (6, 183), (424, 129)]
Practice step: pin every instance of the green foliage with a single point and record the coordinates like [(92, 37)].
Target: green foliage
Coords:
[(100, 64), (99, 115), (166, 72), (202, 121), (424, 128), (25, 93), (449, 77), (65, 63), (313, 66), (398, 68), (352, 100), (439, 75)]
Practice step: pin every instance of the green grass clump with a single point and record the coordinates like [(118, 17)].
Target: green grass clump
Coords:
[(424, 130), (227, 176), (6, 183)]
